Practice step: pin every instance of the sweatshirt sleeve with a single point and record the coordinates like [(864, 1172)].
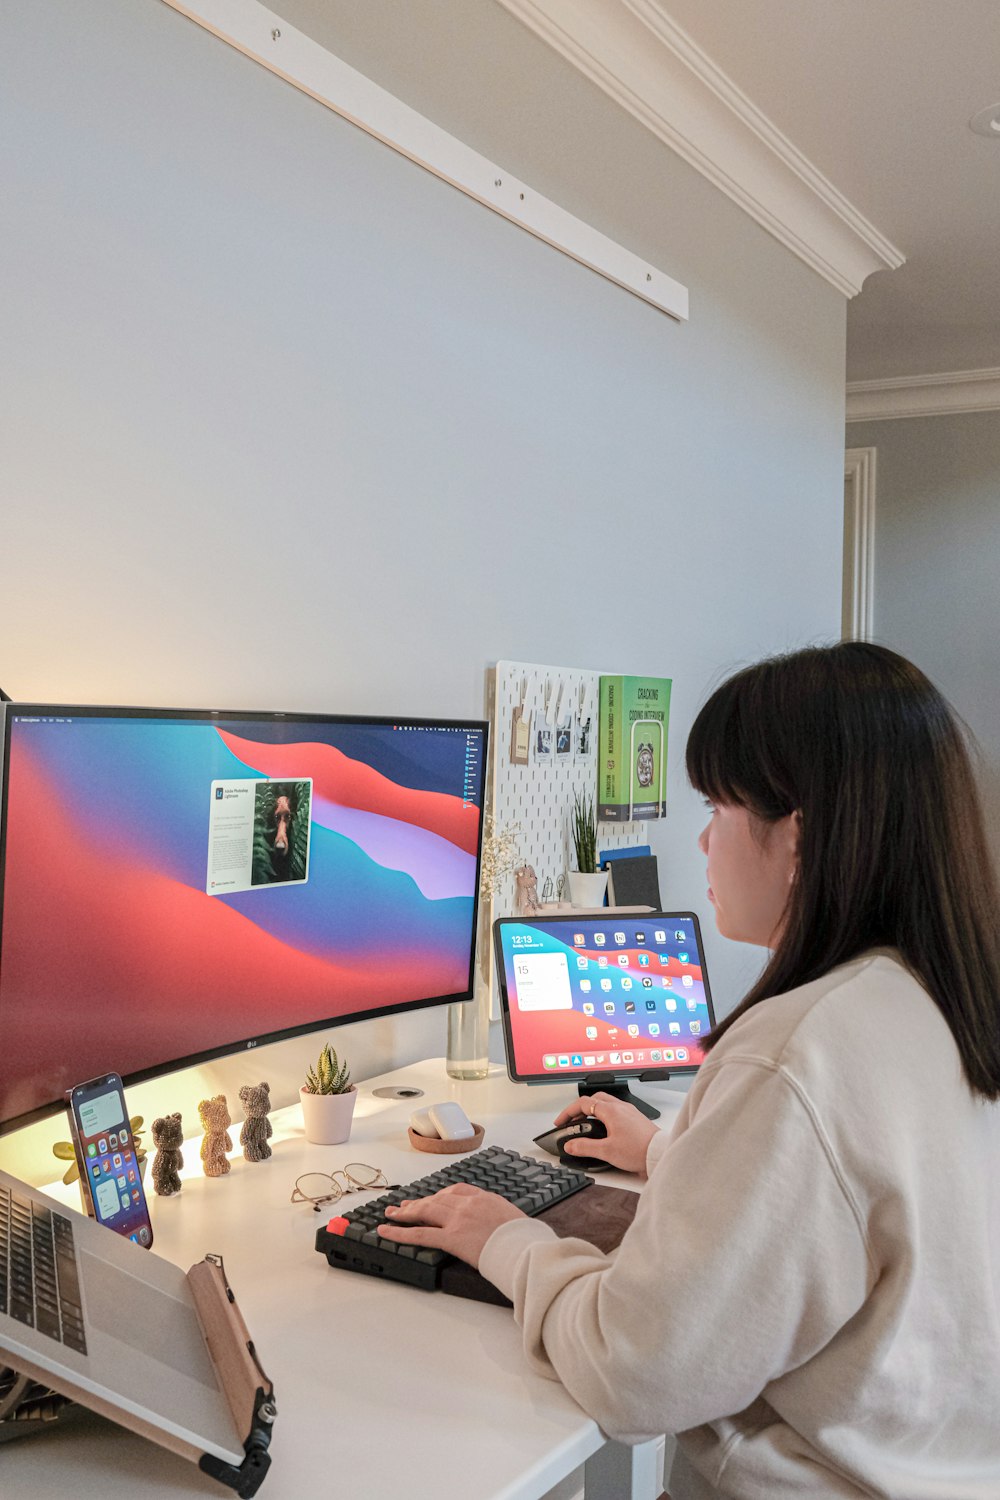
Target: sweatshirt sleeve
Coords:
[(745, 1257)]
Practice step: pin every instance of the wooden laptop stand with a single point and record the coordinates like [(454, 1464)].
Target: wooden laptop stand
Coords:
[(31, 1399)]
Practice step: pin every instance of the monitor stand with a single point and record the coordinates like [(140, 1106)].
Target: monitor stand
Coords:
[(608, 1083)]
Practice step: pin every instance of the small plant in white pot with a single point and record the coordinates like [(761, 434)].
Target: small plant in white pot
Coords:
[(587, 884), (328, 1097)]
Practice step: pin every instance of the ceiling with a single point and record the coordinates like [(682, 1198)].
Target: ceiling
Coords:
[(876, 95)]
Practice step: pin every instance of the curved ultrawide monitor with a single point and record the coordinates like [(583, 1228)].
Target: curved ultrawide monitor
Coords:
[(178, 884)]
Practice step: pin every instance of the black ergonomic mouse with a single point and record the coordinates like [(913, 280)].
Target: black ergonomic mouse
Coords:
[(554, 1141)]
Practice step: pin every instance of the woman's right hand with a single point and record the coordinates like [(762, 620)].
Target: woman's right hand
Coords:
[(628, 1137)]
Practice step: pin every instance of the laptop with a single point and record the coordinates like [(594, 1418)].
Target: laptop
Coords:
[(164, 1352)]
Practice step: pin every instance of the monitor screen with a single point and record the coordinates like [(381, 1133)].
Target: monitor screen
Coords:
[(621, 994), (176, 885)]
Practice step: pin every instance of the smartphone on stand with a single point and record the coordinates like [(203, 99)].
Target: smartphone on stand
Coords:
[(105, 1150)]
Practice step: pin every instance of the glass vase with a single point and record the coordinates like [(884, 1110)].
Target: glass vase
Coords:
[(468, 1054)]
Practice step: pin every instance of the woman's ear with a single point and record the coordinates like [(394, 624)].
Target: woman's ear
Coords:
[(786, 844)]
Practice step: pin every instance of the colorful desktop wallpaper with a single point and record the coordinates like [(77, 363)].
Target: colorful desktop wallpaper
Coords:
[(122, 947), (620, 993)]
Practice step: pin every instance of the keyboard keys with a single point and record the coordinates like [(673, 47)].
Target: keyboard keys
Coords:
[(39, 1281), (351, 1241)]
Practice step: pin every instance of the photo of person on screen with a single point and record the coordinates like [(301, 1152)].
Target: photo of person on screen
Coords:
[(809, 1293), (280, 832)]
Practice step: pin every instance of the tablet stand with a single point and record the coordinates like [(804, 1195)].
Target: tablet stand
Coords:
[(609, 1083)]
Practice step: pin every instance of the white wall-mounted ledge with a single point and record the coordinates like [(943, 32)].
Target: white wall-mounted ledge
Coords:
[(267, 39), (923, 395)]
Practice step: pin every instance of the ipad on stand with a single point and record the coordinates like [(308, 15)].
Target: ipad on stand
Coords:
[(603, 1000)]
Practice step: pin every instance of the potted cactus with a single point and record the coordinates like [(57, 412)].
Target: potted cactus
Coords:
[(328, 1097), (587, 884)]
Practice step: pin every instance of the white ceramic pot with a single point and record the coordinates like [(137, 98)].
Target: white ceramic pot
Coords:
[(587, 890), (327, 1117)]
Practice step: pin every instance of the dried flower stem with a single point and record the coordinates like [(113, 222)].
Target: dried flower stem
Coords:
[(500, 855)]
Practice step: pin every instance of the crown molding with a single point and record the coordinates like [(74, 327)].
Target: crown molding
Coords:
[(651, 67), (923, 395)]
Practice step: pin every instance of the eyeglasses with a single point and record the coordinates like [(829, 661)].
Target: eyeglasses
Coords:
[(318, 1188)]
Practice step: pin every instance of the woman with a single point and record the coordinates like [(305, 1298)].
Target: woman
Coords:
[(810, 1292)]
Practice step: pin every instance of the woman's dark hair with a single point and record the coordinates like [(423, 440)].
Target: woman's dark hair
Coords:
[(892, 848)]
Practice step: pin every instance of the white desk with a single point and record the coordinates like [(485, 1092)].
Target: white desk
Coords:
[(381, 1388)]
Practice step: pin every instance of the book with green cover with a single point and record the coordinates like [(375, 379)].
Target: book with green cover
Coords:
[(632, 748)]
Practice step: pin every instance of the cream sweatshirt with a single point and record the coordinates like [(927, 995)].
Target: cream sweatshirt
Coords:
[(810, 1292)]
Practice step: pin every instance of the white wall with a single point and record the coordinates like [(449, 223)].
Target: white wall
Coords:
[(287, 423), (937, 580)]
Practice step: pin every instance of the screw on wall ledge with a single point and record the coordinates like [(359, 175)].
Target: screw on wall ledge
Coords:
[(275, 34)]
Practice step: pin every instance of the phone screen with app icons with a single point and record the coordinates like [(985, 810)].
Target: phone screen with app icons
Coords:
[(107, 1155)]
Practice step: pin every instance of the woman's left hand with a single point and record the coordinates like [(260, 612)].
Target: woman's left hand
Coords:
[(459, 1219)]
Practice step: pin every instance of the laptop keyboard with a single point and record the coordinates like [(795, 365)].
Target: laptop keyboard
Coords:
[(351, 1241), (39, 1281)]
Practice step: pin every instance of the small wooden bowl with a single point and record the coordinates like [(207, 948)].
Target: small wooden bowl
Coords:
[(438, 1147)]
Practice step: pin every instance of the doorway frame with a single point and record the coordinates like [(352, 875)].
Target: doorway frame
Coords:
[(857, 596)]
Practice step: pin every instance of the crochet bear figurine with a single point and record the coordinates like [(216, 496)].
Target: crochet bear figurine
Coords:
[(526, 891), (256, 1126), (167, 1163), (215, 1116)]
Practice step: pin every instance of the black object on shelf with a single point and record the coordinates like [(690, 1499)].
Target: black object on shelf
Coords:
[(634, 882)]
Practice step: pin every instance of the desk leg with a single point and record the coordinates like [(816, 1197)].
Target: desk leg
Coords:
[(619, 1472)]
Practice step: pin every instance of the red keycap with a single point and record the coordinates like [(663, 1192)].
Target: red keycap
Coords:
[(337, 1226)]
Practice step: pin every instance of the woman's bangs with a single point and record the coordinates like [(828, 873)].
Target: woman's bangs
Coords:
[(713, 756)]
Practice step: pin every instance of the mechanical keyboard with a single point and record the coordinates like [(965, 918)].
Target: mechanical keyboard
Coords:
[(351, 1241)]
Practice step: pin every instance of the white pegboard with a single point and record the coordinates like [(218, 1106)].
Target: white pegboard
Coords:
[(539, 796)]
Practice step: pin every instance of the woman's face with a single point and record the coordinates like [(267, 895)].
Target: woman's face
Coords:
[(751, 866)]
